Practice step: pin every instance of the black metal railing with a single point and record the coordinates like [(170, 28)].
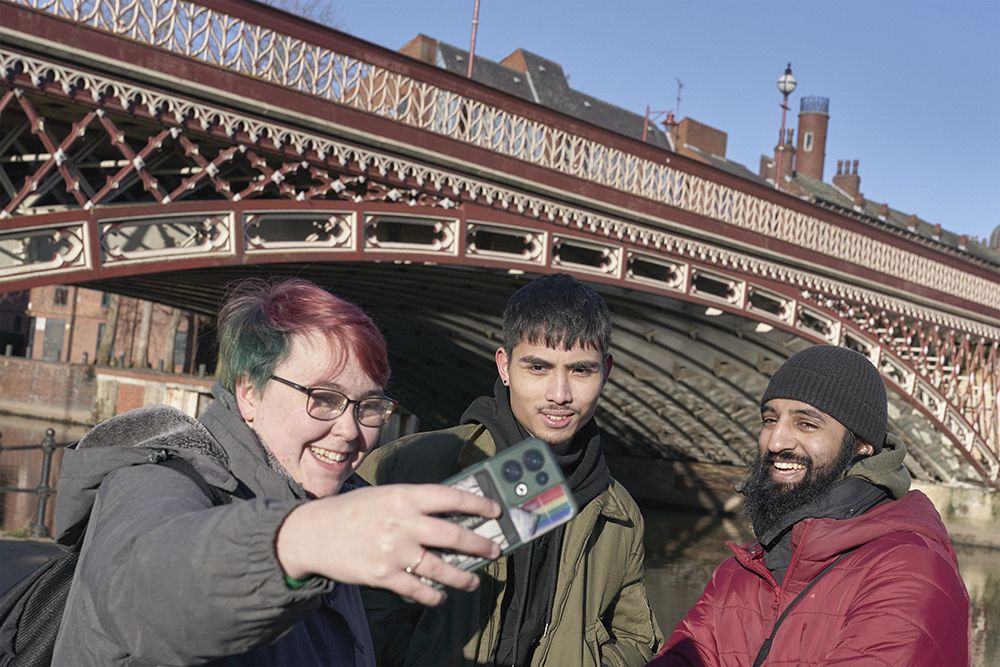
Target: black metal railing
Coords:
[(44, 489)]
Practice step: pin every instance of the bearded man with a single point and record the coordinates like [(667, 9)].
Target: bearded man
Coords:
[(848, 566)]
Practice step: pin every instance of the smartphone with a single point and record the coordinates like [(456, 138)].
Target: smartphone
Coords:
[(527, 482)]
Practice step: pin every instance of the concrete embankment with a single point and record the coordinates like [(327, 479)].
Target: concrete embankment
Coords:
[(84, 394)]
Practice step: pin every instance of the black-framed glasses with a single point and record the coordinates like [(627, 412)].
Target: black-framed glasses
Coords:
[(327, 404)]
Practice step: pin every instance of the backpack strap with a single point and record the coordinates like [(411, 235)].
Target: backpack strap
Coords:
[(31, 611), (766, 647)]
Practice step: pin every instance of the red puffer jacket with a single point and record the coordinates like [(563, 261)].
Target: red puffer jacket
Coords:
[(897, 600)]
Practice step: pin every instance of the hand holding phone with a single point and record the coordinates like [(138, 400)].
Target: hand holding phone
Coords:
[(527, 482)]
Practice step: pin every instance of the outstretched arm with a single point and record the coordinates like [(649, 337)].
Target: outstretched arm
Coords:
[(370, 537), (169, 578)]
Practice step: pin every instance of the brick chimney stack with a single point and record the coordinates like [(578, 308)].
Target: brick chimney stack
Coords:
[(810, 152), (689, 134), (846, 181), (787, 161)]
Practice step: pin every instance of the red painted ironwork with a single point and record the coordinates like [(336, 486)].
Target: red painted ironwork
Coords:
[(418, 168)]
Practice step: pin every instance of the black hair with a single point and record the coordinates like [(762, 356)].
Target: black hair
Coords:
[(557, 309)]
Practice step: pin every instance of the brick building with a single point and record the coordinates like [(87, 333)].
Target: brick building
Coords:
[(65, 323), (543, 81)]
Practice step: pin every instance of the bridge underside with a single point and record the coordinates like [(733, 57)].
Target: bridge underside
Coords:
[(684, 385)]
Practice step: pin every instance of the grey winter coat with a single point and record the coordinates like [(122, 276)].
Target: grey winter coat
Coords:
[(165, 577)]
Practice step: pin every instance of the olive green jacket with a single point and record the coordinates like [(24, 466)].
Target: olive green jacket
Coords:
[(600, 615)]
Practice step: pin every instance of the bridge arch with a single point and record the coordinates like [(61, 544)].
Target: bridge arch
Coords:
[(158, 187)]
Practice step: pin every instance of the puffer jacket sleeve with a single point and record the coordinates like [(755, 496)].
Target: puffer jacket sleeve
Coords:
[(693, 640), (910, 608), (170, 579)]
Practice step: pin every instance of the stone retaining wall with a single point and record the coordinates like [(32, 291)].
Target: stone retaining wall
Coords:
[(85, 394)]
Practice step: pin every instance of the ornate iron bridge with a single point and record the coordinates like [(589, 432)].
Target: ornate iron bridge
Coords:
[(160, 148)]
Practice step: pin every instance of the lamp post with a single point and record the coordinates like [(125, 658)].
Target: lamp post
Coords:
[(472, 46), (786, 84)]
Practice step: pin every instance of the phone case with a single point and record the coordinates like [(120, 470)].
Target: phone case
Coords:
[(527, 482)]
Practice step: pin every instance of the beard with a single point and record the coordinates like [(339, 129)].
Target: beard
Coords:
[(766, 503), (560, 445)]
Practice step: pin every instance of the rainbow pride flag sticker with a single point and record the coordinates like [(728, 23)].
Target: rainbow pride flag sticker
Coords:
[(544, 512)]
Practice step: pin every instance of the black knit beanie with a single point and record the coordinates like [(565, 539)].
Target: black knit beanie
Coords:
[(840, 382)]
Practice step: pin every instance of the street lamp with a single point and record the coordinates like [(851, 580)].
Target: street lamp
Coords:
[(786, 84)]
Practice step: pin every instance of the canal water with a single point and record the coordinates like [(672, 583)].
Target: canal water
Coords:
[(683, 547), (22, 468)]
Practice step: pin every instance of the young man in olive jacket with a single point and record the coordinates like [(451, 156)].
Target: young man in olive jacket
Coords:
[(830, 505), (575, 596)]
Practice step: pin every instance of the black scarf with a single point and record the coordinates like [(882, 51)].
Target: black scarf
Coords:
[(532, 570), (849, 498)]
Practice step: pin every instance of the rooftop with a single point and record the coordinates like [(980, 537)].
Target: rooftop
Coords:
[(543, 81)]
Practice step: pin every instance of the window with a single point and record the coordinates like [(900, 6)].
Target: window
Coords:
[(100, 335), (105, 299), (807, 143), (180, 348), (61, 297)]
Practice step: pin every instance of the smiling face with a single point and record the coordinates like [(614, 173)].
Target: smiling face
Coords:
[(802, 454), (797, 440), (320, 455), (553, 392)]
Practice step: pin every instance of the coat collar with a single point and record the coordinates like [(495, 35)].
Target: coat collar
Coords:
[(248, 457)]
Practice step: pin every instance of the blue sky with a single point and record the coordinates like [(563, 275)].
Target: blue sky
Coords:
[(914, 85)]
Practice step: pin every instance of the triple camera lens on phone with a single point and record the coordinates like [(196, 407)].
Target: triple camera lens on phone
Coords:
[(533, 460), (512, 471)]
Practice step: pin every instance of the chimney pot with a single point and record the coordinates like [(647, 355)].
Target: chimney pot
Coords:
[(855, 166), (840, 167)]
